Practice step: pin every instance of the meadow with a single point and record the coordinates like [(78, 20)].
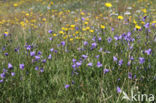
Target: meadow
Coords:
[(77, 51)]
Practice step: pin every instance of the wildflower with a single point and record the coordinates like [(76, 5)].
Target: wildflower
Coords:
[(102, 27), (1, 81), (109, 40), (78, 64), (10, 66), (15, 4), (130, 75), (50, 31), (91, 31), (6, 54), (115, 58), (21, 66), (120, 62), (37, 58), (148, 52), (2, 75), (99, 64), (39, 53), (44, 61), (63, 43), (141, 60), (74, 60), (67, 86), (138, 27), (32, 53), (94, 45), (106, 71), (41, 70), (84, 56), (50, 38), (49, 57), (90, 64), (52, 49), (85, 43), (12, 73), (120, 17), (108, 5), (147, 25), (36, 68), (118, 90)]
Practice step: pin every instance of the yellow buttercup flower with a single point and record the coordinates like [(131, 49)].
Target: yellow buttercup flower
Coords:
[(108, 4), (137, 27), (91, 31), (15, 4), (54, 34), (102, 26), (120, 17)]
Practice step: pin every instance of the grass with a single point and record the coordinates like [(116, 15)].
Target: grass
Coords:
[(25, 29)]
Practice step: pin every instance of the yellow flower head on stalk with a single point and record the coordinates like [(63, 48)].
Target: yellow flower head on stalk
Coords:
[(86, 23), (6, 33), (15, 4), (137, 27), (72, 26), (144, 10), (134, 21), (54, 35), (61, 32), (44, 19), (108, 5), (120, 17), (27, 14), (91, 31), (82, 13), (87, 28), (102, 27), (51, 3), (71, 39)]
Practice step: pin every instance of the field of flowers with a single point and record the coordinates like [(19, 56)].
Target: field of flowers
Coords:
[(77, 51)]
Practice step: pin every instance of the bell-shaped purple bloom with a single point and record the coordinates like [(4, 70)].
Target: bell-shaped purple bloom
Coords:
[(12, 73), (49, 57), (85, 43), (78, 64), (120, 62), (36, 68), (118, 90), (41, 70), (90, 64), (147, 25), (21, 66), (84, 56), (141, 60), (106, 71), (115, 58), (44, 61), (6, 54), (148, 52), (2, 75), (10, 66), (50, 31), (109, 39), (94, 45), (67, 86), (37, 58), (130, 75), (52, 49), (99, 64), (32, 53), (63, 43)]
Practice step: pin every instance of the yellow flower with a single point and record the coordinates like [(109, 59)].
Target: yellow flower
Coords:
[(6, 33), (154, 22), (27, 14), (61, 32), (144, 10), (108, 4), (120, 17), (86, 23), (72, 26), (51, 3), (102, 26), (54, 34), (87, 28), (44, 19), (142, 22), (137, 27), (82, 13), (134, 22), (91, 31), (15, 4), (71, 39), (83, 29)]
